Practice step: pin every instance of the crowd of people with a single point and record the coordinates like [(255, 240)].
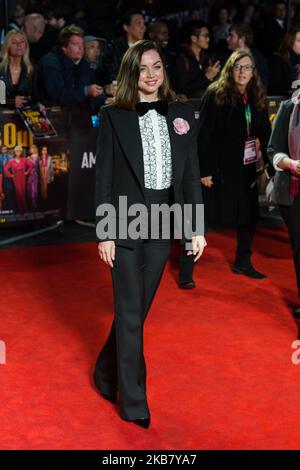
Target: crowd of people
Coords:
[(56, 54), (229, 57)]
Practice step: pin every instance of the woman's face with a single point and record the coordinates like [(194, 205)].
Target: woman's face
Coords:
[(242, 72), (17, 45), (18, 153), (151, 74), (296, 46)]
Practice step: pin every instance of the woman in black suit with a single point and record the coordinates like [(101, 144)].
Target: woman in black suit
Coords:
[(284, 152), (233, 118), (146, 152)]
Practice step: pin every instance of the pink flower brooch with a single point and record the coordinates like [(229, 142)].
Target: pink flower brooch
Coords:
[(181, 126)]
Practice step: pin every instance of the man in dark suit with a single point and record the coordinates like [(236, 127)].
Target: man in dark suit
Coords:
[(64, 75), (275, 28)]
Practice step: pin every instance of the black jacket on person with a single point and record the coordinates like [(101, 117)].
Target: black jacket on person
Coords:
[(271, 37), (188, 75), (283, 71), (120, 167), (279, 144), (62, 82), (222, 135), (27, 86), (280, 76), (112, 58)]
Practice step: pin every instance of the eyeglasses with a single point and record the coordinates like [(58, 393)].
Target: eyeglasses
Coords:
[(240, 67), (205, 35)]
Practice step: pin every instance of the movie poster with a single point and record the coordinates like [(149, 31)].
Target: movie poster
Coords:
[(33, 173), (37, 122)]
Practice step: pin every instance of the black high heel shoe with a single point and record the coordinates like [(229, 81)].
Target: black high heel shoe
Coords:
[(142, 422), (112, 397)]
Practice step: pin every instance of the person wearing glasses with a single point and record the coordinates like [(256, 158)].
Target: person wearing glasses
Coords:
[(194, 69), (234, 129)]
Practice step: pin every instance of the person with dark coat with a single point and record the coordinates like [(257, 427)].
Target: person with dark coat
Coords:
[(158, 31), (233, 123), (284, 65), (193, 70), (133, 25), (274, 29), (146, 152), (284, 153), (65, 76)]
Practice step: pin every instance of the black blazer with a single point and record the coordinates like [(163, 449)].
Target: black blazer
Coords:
[(233, 199), (119, 160), (279, 144)]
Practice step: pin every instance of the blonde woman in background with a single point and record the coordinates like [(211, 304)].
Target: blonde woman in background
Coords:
[(17, 71)]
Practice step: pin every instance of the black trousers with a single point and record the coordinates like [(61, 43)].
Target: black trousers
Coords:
[(121, 365), (244, 235), (290, 215), (186, 266)]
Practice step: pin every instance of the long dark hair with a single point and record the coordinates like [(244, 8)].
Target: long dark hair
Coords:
[(287, 44), (127, 89), (225, 88)]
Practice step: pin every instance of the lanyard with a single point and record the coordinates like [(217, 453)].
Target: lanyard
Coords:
[(248, 114)]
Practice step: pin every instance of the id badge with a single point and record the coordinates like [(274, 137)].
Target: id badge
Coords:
[(250, 151)]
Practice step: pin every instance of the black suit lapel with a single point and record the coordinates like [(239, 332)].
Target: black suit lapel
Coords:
[(126, 124)]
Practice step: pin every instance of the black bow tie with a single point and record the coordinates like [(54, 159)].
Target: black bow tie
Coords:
[(160, 106)]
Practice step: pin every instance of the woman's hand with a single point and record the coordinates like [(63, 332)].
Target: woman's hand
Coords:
[(111, 89), (198, 243), (213, 70), (20, 101), (94, 90), (289, 164), (207, 181), (42, 108), (294, 167), (106, 252)]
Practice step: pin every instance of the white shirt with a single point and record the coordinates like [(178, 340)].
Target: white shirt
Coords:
[(157, 154)]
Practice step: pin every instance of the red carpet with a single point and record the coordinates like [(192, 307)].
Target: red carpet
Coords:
[(220, 374)]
